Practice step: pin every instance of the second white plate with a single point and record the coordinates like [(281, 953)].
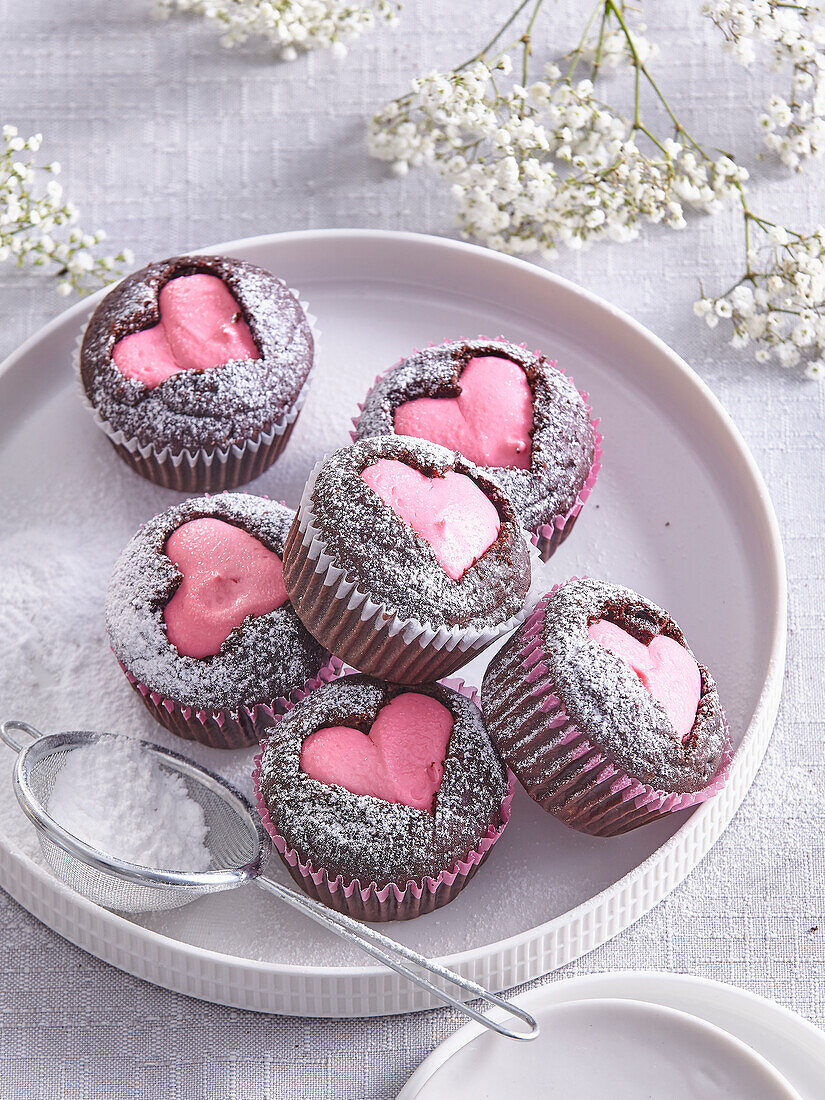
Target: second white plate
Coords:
[(792, 1048), (624, 1049)]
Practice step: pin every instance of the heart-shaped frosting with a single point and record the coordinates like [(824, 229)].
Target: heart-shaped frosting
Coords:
[(228, 575), (489, 422), (450, 513), (666, 668), (401, 759), (201, 326)]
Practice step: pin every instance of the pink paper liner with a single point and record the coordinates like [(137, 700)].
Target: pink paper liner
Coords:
[(225, 729), (557, 764), (549, 536), (372, 902)]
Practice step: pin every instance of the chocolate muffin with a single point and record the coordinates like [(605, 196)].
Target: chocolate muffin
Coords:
[(510, 411), (196, 369), (199, 619), (405, 560), (602, 711), (382, 802)]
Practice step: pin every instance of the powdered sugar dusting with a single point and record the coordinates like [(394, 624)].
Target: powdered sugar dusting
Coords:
[(562, 437), (261, 660), (609, 703), (366, 838), (216, 407), (375, 547), (114, 795)]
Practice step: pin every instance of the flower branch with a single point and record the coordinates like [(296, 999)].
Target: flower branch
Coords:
[(533, 166), (793, 36), (38, 227), (289, 26), (536, 165)]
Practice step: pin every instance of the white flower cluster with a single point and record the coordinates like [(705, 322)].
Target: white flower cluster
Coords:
[(778, 307), (612, 49), (288, 25), (38, 227), (794, 35), (532, 167)]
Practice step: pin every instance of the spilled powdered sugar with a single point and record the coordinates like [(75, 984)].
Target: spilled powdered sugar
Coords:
[(393, 564), (266, 657), (215, 407), (563, 439), (366, 838), (115, 796)]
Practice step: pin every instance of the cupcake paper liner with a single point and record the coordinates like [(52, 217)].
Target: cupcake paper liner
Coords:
[(556, 763), (204, 469), (549, 536), (370, 902), (373, 637), (225, 729)]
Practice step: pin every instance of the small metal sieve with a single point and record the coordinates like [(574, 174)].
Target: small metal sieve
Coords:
[(240, 849)]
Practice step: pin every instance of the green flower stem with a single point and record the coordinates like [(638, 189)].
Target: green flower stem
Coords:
[(485, 49)]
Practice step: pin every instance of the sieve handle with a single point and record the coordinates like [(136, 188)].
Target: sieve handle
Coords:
[(22, 727), (391, 954)]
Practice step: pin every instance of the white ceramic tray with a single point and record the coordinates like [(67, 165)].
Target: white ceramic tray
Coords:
[(680, 513), (777, 1038)]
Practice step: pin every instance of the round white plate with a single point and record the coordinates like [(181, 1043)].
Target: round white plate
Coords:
[(680, 513), (792, 1049), (627, 1050)]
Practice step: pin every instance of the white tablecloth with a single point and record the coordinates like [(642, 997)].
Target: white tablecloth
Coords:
[(170, 143)]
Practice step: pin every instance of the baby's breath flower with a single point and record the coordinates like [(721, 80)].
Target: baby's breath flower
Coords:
[(613, 51), (793, 36), (535, 165), (288, 25), (32, 215), (779, 305)]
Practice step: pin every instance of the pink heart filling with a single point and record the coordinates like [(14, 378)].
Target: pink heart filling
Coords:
[(489, 422), (228, 575), (450, 513), (200, 326), (666, 669), (401, 759)]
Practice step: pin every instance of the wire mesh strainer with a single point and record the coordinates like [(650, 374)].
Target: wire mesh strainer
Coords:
[(239, 847)]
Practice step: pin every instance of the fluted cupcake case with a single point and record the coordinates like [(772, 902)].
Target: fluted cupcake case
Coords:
[(225, 729), (549, 536), (390, 902), (140, 584), (369, 902), (371, 637), (205, 470), (558, 765)]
